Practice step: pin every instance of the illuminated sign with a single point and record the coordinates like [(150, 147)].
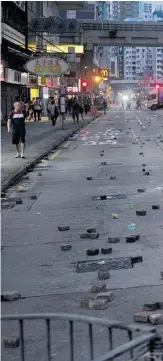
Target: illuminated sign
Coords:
[(102, 73), (47, 66), (60, 48)]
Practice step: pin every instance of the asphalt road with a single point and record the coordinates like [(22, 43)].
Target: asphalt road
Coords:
[(32, 261)]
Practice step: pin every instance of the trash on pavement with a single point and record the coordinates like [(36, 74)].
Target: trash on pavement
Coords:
[(132, 206), (132, 226), (115, 215)]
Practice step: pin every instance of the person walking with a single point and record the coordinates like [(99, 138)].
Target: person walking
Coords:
[(37, 109), (81, 108), (16, 124), (75, 110), (104, 105), (53, 112)]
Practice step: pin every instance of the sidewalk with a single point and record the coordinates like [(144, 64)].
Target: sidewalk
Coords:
[(41, 138)]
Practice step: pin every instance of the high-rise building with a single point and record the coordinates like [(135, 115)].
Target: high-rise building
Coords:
[(145, 7)]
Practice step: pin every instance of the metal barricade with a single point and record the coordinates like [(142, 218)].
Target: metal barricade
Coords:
[(145, 339)]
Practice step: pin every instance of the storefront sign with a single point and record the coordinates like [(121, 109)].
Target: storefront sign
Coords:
[(2, 71), (60, 48), (12, 35), (15, 77), (47, 66)]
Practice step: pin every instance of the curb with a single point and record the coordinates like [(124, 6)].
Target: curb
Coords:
[(16, 175)]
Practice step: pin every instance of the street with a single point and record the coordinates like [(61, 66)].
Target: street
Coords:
[(122, 152)]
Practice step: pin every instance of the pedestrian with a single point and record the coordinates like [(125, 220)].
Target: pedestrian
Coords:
[(86, 106), (30, 109), (75, 110), (138, 104), (128, 107), (48, 103), (104, 105), (16, 124), (37, 109), (81, 108), (53, 112)]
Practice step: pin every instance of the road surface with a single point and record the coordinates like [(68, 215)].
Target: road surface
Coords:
[(32, 261)]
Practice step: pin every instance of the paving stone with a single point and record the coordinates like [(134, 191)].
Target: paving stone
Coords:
[(101, 154), (89, 178), (102, 151), (11, 342), (85, 303), (141, 213), (66, 247), (19, 201), (91, 230), (150, 306), (63, 228), (156, 319), (141, 190), (106, 250), (103, 274), (98, 305), (113, 239), (39, 174), (143, 165), (146, 173), (155, 206), (136, 259), (10, 296), (103, 163), (108, 296), (92, 252), (100, 287), (92, 235), (142, 316), (112, 177), (131, 239), (83, 235), (159, 305), (141, 153)]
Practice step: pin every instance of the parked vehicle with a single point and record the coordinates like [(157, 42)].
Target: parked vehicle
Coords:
[(155, 99)]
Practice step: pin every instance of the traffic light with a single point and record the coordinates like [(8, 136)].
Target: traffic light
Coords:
[(157, 86), (84, 84)]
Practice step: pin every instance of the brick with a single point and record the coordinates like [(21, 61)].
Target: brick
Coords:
[(91, 230), (85, 303), (112, 177), (93, 235), (66, 247), (108, 296), (102, 151), (83, 235), (143, 165), (136, 259), (11, 342), (103, 274), (63, 228), (155, 206), (10, 296), (100, 287), (98, 305), (89, 178), (143, 170), (39, 174), (130, 239), (150, 306), (113, 239), (19, 201), (106, 250), (141, 213), (101, 154), (141, 153), (33, 197), (103, 163), (141, 190), (146, 173), (142, 316), (159, 305), (92, 252), (156, 319)]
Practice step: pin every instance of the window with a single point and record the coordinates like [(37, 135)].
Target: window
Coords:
[(71, 14)]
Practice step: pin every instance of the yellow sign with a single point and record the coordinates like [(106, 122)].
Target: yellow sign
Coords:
[(103, 73), (59, 48)]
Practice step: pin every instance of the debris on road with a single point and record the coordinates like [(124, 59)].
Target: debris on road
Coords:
[(100, 287), (66, 247), (91, 230), (108, 296), (63, 228), (113, 239), (89, 178), (93, 252), (10, 296), (106, 250), (141, 213), (115, 215), (11, 342), (154, 206)]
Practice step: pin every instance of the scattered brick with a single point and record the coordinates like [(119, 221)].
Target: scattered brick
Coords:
[(108, 296), (100, 287), (141, 153), (150, 306), (92, 252), (39, 174), (143, 165), (142, 316), (91, 230), (131, 239), (136, 259), (143, 170), (103, 163), (106, 250), (103, 274), (89, 178), (33, 197), (83, 235), (85, 303), (93, 235), (63, 228), (146, 173), (98, 305), (66, 247), (113, 239), (113, 177), (155, 206), (156, 319), (159, 305), (10, 296), (101, 154), (141, 213), (141, 190), (11, 342)]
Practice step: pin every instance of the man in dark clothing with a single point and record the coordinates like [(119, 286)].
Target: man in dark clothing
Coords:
[(16, 124), (75, 110)]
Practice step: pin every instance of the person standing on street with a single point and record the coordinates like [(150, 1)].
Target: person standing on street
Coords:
[(104, 105), (16, 124), (37, 109), (53, 112), (75, 110)]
